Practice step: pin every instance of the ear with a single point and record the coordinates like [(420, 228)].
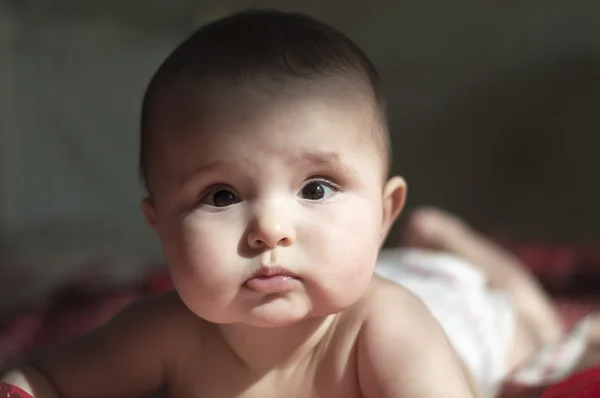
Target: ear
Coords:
[(149, 212), (394, 196)]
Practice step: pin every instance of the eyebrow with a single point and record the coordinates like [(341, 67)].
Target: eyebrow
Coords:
[(311, 159), (203, 168), (324, 159)]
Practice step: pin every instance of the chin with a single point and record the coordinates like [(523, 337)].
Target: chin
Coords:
[(273, 320), (275, 315), (272, 323), (257, 317)]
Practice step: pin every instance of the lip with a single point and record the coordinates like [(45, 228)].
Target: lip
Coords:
[(268, 280), (267, 272)]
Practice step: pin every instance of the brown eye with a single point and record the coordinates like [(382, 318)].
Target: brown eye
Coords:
[(318, 190), (221, 198)]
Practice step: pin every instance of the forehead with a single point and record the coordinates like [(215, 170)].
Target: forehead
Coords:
[(266, 117), (189, 104)]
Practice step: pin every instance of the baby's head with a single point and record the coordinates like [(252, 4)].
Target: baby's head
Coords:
[(265, 153)]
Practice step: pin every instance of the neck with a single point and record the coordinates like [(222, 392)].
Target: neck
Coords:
[(267, 349)]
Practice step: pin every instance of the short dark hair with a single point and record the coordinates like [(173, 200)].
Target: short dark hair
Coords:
[(265, 43)]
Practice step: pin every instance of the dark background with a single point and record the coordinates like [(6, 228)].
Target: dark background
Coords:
[(494, 108)]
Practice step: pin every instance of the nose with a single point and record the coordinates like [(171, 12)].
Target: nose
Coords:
[(271, 227)]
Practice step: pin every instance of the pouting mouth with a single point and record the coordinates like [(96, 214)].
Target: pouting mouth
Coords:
[(270, 272)]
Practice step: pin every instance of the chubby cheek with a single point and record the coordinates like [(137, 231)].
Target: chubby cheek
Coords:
[(201, 257), (348, 245)]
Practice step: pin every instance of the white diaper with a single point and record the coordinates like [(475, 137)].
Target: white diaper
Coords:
[(478, 321)]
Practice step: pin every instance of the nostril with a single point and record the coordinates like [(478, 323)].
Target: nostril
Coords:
[(285, 242)]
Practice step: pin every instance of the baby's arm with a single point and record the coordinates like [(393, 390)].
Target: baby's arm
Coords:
[(403, 352), (123, 359)]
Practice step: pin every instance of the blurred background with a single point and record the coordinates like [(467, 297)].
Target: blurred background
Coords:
[(495, 116)]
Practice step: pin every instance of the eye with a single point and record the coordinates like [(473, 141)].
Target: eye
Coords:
[(220, 198), (318, 190)]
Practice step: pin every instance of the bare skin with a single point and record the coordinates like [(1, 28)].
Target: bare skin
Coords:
[(160, 344), (291, 182)]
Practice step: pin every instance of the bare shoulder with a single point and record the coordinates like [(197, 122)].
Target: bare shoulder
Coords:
[(129, 356), (162, 312), (383, 296), (156, 320), (387, 302), (402, 348), (392, 315), (160, 324)]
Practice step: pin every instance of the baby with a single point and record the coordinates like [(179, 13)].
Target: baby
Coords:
[(265, 154), (264, 150)]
